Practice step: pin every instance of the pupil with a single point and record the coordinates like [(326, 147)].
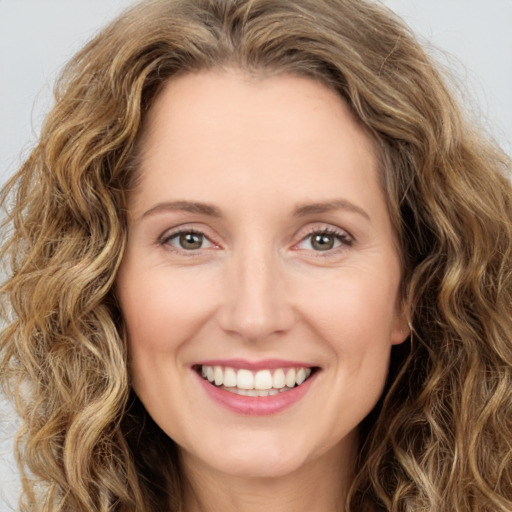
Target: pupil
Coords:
[(323, 242), (191, 241)]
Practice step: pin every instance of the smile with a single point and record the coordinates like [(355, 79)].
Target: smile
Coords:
[(265, 382)]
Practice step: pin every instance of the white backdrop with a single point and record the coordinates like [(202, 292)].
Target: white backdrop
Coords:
[(38, 36)]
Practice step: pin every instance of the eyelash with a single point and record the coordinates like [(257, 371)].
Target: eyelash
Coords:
[(165, 240), (344, 239)]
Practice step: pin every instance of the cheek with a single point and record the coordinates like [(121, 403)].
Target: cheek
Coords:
[(357, 320), (353, 307), (161, 314), (161, 310)]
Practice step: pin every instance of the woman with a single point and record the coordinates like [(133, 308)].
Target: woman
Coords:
[(260, 261)]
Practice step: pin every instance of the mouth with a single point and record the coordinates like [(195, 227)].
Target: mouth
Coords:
[(261, 383)]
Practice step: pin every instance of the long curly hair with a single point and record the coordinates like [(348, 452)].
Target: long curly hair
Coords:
[(441, 437)]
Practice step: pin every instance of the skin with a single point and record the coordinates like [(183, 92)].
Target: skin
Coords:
[(258, 287)]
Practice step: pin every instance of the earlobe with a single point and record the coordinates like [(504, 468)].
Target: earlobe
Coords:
[(401, 334), (403, 327)]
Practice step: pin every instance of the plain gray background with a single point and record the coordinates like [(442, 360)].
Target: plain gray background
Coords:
[(38, 36)]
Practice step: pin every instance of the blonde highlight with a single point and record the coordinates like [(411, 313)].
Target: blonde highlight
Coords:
[(440, 438)]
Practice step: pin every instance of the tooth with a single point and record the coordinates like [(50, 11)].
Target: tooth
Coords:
[(217, 372), (301, 376), (252, 392), (290, 378), (245, 379), (263, 380), (278, 379), (229, 378)]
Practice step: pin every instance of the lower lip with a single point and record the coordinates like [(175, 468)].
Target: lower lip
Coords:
[(256, 405)]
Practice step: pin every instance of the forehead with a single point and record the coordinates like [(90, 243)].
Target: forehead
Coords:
[(230, 103), (253, 135)]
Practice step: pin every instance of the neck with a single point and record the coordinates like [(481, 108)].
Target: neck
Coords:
[(317, 486)]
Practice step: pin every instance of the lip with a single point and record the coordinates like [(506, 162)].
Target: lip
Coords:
[(264, 364), (251, 405)]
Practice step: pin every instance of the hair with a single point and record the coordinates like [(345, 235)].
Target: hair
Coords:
[(441, 437)]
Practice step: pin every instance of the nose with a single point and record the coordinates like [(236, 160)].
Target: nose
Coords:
[(256, 299)]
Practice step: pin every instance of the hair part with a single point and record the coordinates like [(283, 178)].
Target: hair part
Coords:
[(440, 438)]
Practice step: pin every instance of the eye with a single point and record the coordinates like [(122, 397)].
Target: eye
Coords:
[(325, 240), (187, 241)]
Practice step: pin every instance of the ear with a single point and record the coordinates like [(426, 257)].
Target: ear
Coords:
[(402, 328)]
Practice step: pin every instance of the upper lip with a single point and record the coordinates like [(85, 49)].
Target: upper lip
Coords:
[(263, 364)]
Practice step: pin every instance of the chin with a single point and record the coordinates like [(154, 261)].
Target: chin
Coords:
[(261, 466), (257, 459)]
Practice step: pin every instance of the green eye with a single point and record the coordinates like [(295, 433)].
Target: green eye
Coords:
[(323, 242), (187, 241), (190, 241)]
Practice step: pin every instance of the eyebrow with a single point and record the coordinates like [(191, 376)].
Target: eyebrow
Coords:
[(329, 206), (301, 210), (184, 206)]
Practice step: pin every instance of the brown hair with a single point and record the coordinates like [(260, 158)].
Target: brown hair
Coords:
[(440, 440)]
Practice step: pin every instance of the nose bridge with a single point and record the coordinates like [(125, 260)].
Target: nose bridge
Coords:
[(256, 304)]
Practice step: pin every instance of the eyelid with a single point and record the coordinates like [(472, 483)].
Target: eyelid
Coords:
[(345, 238), (169, 234)]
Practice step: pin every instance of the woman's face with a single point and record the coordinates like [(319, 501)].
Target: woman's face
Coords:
[(260, 253)]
